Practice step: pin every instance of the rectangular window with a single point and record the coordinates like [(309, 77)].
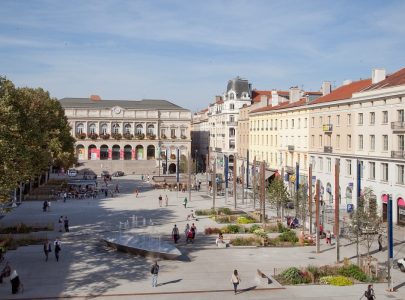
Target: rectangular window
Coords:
[(385, 117), (281, 124), (401, 116), (172, 133), (372, 142), (312, 140), (329, 165), (384, 170), (183, 132), (401, 143), (320, 162), (320, 121), (299, 123), (348, 167), (320, 140), (292, 123), (313, 122), (360, 142), (338, 141), (349, 119), (361, 168), (371, 166), (349, 141), (360, 120), (385, 142), (338, 120), (372, 118), (305, 122), (400, 174), (286, 124)]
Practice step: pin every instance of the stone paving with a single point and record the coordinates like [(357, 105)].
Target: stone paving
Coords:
[(87, 267)]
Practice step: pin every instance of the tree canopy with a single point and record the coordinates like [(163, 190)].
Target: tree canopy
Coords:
[(278, 194), (34, 134)]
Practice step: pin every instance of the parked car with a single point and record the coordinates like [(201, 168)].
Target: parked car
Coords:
[(72, 172), (401, 264), (105, 173), (118, 174)]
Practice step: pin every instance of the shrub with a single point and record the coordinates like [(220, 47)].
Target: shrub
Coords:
[(241, 241), (260, 233), (288, 236), (245, 220), (224, 210), (225, 219), (294, 276), (205, 212), (336, 280), (281, 228), (354, 272), (212, 230), (233, 229), (254, 227), (328, 270)]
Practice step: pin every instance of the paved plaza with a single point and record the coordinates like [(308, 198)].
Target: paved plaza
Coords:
[(89, 269)]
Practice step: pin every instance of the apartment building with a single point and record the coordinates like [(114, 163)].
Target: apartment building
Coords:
[(200, 136)]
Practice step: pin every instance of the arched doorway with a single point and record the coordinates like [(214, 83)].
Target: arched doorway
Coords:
[(384, 200), (92, 152), (127, 152), (80, 152), (103, 152), (115, 152), (401, 211), (139, 152), (172, 168), (150, 152)]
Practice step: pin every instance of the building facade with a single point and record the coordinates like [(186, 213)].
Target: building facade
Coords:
[(115, 130), (200, 136)]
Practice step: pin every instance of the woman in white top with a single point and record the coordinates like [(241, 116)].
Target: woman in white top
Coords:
[(235, 280)]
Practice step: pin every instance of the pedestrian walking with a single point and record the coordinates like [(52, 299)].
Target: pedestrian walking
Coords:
[(185, 202), (64, 196), (160, 200), (15, 282), (66, 223), (154, 271), (44, 206), (380, 247), (49, 205), (328, 237), (60, 222), (167, 201), (175, 234), (186, 230), (117, 190), (57, 247), (235, 279), (136, 193), (106, 192), (47, 249), (369, 293)]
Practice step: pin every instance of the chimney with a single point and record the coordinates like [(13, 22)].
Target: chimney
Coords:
[(295, 94), (274, 98), (347, 82), (95, 97), (377, 75), (326, 88)]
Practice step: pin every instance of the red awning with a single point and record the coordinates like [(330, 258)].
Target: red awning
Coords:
[(401, 202), (384, 198)]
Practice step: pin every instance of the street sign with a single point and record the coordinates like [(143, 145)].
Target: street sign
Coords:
[(350, 208)]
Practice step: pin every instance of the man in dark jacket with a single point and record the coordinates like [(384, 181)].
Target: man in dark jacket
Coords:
[(154, 271)]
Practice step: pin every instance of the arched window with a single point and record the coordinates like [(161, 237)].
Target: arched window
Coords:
[(231, 132), (127, 128), (151, 129), (79, 128), (232, 96), (103, 128), (139, 129), (92, 128), (231, 106), (116, 128)]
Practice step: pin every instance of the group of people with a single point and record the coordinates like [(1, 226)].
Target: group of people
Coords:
[(189, 233), (46, 206), (63, 223), (161, 201), (6, 271), (48, 249)]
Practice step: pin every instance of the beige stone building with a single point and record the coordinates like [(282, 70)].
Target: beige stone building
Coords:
[(138, 132)]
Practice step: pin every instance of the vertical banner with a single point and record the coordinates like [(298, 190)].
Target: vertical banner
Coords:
[(167, 166), (358, 191), (226, 170), (337, 217), (297, 177), (178, 166), (247, 169), (390, 231)]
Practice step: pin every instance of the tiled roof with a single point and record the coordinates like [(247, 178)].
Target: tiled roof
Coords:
[(283, 105), (344, 91), (256, 95), (398, 78)]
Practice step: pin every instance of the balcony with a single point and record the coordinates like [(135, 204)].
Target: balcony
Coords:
[(327, 128), (327, 149), (232, 123), (398, 126), (290, 147), (398, 154)]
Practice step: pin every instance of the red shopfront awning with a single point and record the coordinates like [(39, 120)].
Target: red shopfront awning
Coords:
[(384, 198), (401, 202)]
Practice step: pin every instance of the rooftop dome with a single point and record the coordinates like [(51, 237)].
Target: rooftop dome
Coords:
[(239, 86)]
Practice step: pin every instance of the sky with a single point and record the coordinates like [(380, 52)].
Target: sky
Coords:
[(186, 51)]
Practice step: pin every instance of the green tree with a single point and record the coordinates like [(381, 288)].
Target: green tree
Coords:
[(183, 168), (34, 134), (278, 194)]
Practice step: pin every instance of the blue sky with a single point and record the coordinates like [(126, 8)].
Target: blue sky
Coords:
[(186, 51)]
